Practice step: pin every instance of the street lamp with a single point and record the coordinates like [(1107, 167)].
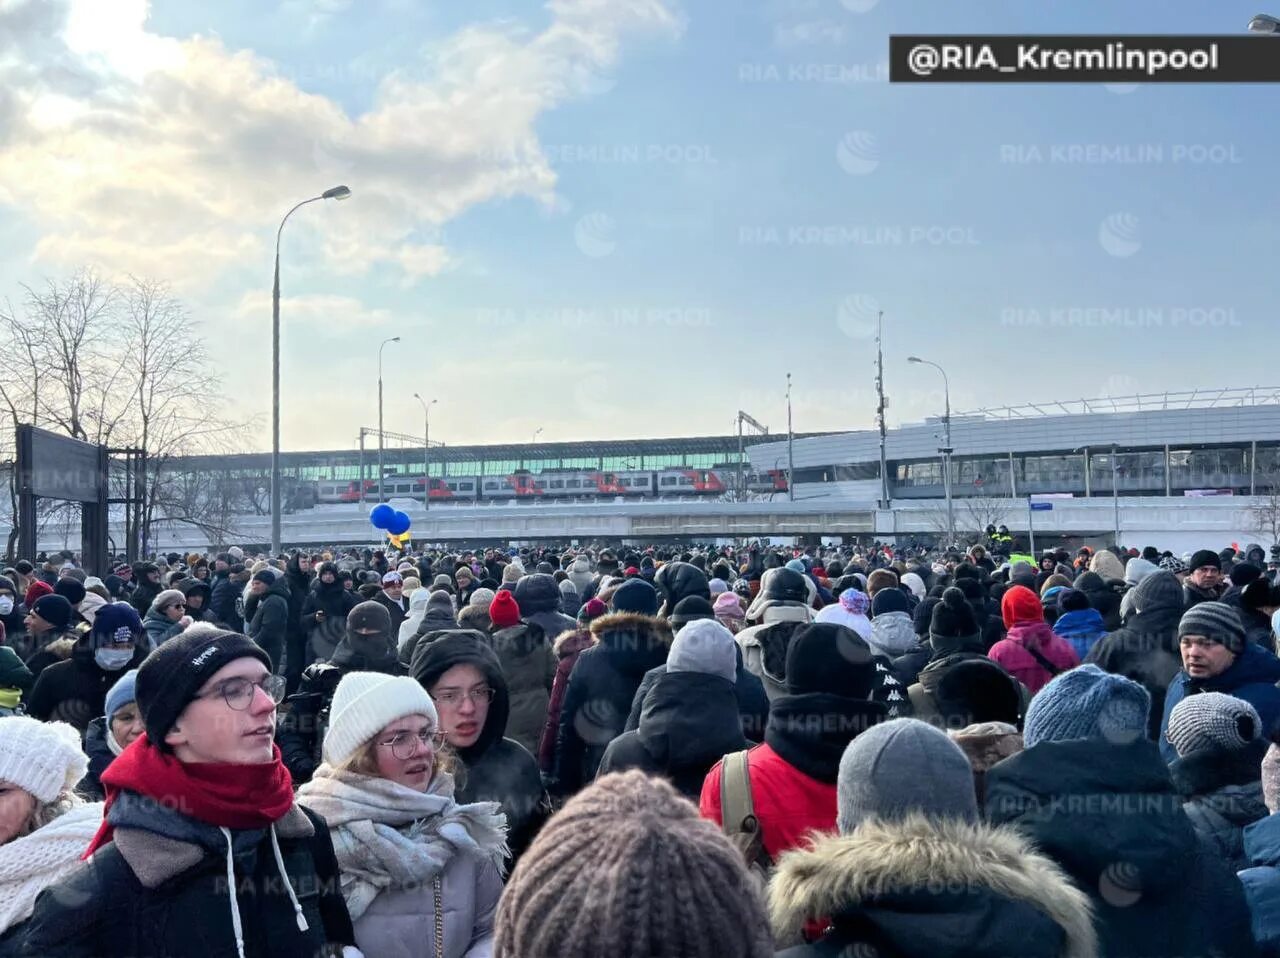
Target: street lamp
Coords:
[(947, 447), (791, 459), (382, 474), (426, 449), (536, 433), (336, 193), (1265, 24)]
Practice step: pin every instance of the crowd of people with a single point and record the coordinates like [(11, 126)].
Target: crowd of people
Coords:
[(656, 751)]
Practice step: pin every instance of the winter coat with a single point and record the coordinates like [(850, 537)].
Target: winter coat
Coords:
[(147, 896), (31, 863), (1261, 881), (566, 647), (529, 667), (53, 647), (398, 610), (540, 602), (1011, 652), (268, 618), (793, 775), (1257, 628), (581, 576), (753, 704), (1108, 814), (1083, 628), (100, 756), (601, 686), (1194, 595), (907, 666), (1104, 595), (921, 888), (680, 580), (1223, 795), (438, 617), (764, 646), (222, 602), (299, 588), (689, 722), (75, 690), (1146, 651), (144, 592), (324, 633), (892, 634), (1252, 677), (159, 629)]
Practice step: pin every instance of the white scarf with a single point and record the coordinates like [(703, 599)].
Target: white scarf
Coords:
[(387, 835), (30, 864)]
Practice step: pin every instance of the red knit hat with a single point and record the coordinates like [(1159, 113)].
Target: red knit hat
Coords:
[(37, 589), (1020, 605), (503, 610)]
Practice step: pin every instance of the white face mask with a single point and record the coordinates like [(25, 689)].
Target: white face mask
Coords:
[(6, 604), (113, 660)]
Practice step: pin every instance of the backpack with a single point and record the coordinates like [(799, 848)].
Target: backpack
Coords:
[(738, 818)]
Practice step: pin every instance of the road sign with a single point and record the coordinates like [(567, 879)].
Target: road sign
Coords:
[(1041, 506)]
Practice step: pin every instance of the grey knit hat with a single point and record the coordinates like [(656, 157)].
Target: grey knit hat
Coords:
[(1212, 720), (1160, 590), (902, 767), (706, 646), (1216, 621), (628, 869), (1271, 778), (1087, 702)]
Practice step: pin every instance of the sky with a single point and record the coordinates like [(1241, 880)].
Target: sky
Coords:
[(632, 218)]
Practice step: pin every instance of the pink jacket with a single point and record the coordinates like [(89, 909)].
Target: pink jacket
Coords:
[(1011, 652)]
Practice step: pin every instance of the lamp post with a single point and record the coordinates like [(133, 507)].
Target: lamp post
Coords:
[(1265, 24), (381, 471), (791, 459), (536, 433), (426, 449), (947, 447), (336, 193)]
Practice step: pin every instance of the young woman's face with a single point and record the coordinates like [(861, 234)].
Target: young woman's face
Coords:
[(406, 752), (126, 724), (462, 696), (16, 807)]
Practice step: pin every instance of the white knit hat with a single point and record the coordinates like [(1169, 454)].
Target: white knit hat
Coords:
[(363, 704), (43, 758)]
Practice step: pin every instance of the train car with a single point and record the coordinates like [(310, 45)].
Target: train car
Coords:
[(775, 480), (686, 482), (519, 485)]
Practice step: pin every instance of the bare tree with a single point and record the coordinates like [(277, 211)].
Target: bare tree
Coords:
[(1264, 515), (980, 512)]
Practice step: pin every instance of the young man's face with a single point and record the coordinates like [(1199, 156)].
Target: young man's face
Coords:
[(258, 587), (304, 563), (212, 729), (394, 590), (36, 625)]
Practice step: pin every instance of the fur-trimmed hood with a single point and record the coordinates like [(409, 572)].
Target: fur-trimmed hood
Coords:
[(912, 861), (634, 643), (571, 641)]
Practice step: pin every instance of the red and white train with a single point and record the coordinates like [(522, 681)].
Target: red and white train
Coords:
[(557, 485)]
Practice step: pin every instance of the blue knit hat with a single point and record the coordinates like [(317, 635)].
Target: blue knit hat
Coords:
[(1087, 702), (121, 694)]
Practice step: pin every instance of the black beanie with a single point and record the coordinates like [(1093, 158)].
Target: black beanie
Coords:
[(69, 589), (890, 600), (976, 691), (370, 615), (952, 617), (54, 609), (1242, 573), (825, 657), (1204, 557), (1151, 554), (265, 575), (170, 677), (1072, 600), (689, 608)]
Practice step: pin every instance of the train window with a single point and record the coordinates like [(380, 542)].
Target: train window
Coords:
[(404, 487), (573, 484), (686, 481), (670, 480), (557, 483), (490, 484), (466, 487)]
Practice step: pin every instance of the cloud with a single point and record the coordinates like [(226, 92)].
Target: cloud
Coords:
[(314, 310), (176, 158)]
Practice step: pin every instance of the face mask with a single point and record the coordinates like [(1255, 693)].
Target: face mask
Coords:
[(6, 604), (113, 660)]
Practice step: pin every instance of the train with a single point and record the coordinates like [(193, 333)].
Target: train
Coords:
[(530, 486)]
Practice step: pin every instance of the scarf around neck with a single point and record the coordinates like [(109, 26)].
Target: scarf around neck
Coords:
[(237, 797), (389, 836)]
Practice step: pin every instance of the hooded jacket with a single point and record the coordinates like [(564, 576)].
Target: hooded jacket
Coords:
[(1011, 652), (222, 601), (929, 889), (764, 646), (200, 588), (75, 690), (326, 631), (144, 590), (148, 894), (689, 721), (1082, 628), (753, 704), (601, 687), (1108, 814), (892, 634), (540, 602), (1146, 648), (1223, 795), (529, 666), (1252, 677), (268, 618), (1104, 595), (566, 648), (679, 580), (498, 769), (1261, 881)]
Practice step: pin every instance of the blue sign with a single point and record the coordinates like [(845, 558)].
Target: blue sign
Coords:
[(1041, 506)]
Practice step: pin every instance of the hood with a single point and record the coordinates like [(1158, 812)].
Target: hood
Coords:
[(888, 875), (635, 643), (892, 634), (366, 653), (1079, 622), (1030, 634), (1211, 772), (537, 593), (774, 640), (690, 719), (324, 587), (462, 647), (1071, 797), (190, 587), (679, 580)]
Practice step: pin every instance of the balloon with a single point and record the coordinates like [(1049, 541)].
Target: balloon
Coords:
[(398, 524), (381, 516)]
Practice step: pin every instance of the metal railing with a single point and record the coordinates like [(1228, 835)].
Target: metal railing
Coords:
[(1139, 402)]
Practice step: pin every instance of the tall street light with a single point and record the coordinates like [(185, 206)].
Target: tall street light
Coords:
[(1264, 23), (426, 449), (336, 193), (791, 459), (947, 448), (382, 473)]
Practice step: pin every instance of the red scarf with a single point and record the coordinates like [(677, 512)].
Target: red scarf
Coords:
[(228, 796)]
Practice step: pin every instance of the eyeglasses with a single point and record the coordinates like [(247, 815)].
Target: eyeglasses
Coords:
[(457, 696), (238, 693), (403, 745)]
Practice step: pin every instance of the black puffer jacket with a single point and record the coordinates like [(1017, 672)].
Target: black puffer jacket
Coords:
[(688, 723), (539, 599), (222, 602), (497, 768), (753, 704), (679, 580), (201, 589), (268, 620), (75, 690), (1223, 794), (324, 632), (1109, 815), (1104, 595), (601, 687), (144, 590)]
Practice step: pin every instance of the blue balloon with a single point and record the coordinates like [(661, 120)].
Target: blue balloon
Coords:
[(399, 524), (381, 516)]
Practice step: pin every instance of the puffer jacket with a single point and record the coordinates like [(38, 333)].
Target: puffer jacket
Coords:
[(529, 665), (1252, 677), (567, 646), (892, 634), (1261, 881), (764, 646), (1223, 795), (921, 888), (268, 618), (680, 580), (1083, 628), (1011, 652)]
